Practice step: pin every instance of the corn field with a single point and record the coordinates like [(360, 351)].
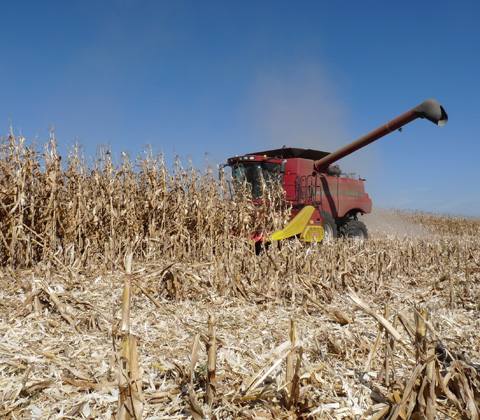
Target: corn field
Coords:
[(386, 328), (79, 215)]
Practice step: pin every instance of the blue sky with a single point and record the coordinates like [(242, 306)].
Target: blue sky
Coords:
[(220, 78)]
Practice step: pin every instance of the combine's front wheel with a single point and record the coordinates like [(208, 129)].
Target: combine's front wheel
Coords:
[(354, 229), (329, 226)]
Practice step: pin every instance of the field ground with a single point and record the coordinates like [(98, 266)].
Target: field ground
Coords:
[(60, 330)]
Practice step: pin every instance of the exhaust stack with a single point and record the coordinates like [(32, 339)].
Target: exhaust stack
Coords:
[(429, 109)]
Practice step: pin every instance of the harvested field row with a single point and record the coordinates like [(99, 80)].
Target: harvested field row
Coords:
[(60, 347)]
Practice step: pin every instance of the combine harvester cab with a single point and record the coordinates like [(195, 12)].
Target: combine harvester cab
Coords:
[(325, 202)]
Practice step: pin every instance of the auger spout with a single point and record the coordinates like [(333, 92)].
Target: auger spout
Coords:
[(429, 109)]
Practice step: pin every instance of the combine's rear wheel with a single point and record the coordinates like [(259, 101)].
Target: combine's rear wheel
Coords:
[(354, 229), (329, 226)]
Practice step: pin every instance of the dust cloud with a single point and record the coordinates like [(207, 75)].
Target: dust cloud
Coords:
[(298, 107), (303, 107), (390, 222)]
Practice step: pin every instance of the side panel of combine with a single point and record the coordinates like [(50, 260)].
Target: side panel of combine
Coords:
[(289, 182), (293, 182), (329, 198), (352, 196), (305, 187)]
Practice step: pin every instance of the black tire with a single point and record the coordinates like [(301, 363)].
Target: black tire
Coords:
[(261, 247), (329, 225), (354, 229)]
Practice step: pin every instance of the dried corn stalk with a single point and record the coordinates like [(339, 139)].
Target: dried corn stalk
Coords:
[(130, 396)]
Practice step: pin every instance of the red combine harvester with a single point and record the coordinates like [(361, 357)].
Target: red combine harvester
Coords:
[(323, 199)]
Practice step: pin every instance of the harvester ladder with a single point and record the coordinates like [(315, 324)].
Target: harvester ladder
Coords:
[(307, 190)]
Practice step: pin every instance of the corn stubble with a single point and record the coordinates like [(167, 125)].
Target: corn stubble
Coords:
[(383, 329)]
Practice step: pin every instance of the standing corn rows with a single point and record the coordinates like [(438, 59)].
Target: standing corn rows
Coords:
[(77, 214)]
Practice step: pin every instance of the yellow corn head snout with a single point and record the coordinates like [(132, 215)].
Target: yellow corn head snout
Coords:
[(312, 234), (299, 225)]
